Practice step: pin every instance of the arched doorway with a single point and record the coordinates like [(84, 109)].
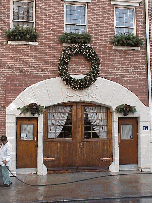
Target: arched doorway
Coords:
[(102, 93)]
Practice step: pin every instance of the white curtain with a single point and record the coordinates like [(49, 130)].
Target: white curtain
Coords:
[(98, 118), (57, 116)]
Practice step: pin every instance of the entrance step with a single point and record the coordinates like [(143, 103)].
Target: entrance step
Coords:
[(77, 169), (128, 167), (26, 171)]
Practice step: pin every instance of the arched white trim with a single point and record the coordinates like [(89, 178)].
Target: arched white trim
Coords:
[(53, 91)]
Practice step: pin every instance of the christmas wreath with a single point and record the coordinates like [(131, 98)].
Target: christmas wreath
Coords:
[(90, 55)]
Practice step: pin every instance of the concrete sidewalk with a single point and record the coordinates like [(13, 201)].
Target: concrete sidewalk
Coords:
[(79, 187)]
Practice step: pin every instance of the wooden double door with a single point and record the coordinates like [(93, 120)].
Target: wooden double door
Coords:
[(81, 142)]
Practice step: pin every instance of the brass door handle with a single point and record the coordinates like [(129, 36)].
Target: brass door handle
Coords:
[(119, 138), (36, 143), (80, 144)]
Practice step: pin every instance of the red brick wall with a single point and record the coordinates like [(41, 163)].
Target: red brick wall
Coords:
[(24, 65)]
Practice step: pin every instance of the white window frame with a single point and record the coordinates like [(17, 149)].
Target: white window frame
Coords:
[(11, 13), (76, 4), (134, 17)]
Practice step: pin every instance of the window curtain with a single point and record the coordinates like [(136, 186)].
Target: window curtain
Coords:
[(98, 118), (57, 116)]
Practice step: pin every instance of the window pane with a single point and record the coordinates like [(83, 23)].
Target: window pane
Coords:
[(120, 30), (27, 131), (24, 24), (60, 122), (22, 11), (124, 20), (126, 132), (75, 15), (95, 122)]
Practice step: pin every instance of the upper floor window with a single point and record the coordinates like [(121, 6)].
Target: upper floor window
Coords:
[(23, 13), (75, 18), (124, 20)]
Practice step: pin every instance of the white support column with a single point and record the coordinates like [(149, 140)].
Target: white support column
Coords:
[(11, 135), (41, 168), (114, 167)]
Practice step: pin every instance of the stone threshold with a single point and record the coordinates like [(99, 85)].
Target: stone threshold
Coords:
[(128, 167), (77, 169), (20, 171)]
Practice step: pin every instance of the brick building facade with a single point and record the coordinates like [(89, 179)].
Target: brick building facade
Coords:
[(123, 74)]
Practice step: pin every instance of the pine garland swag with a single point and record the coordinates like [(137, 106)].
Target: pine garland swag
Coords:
[(90, 55)]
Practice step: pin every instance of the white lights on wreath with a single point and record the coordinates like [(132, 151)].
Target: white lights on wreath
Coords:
[(90, 77)]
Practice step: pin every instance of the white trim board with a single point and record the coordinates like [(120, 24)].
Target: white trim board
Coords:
[(126, 3)]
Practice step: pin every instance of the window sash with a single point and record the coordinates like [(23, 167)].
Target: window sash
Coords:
[(23, 13), (75, 18), (124, 20)]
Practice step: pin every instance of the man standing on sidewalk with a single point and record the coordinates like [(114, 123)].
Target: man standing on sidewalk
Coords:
[(5, 155)]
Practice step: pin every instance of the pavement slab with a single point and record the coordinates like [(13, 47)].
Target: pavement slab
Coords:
[(80, 187)]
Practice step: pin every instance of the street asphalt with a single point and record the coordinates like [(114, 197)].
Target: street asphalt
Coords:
[(80, 187)]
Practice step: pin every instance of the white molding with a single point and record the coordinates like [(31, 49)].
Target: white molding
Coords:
[(22, 43), (126, 3), (126, 48)]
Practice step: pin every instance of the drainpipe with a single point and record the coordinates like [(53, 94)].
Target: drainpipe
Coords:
[(148, 52), (149, 72)]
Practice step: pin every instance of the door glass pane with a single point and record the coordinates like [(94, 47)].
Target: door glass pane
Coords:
[(95, 122), (27, 132), (126, 132)]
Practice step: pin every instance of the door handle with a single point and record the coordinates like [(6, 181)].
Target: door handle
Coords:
[(119, 138), (80, 144), (36, 143)]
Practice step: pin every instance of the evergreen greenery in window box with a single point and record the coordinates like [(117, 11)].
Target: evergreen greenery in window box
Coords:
[(75, 38), (129, 39), (19, 33)]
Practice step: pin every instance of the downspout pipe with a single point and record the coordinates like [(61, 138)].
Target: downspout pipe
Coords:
[(149, 75), (148, 52)]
